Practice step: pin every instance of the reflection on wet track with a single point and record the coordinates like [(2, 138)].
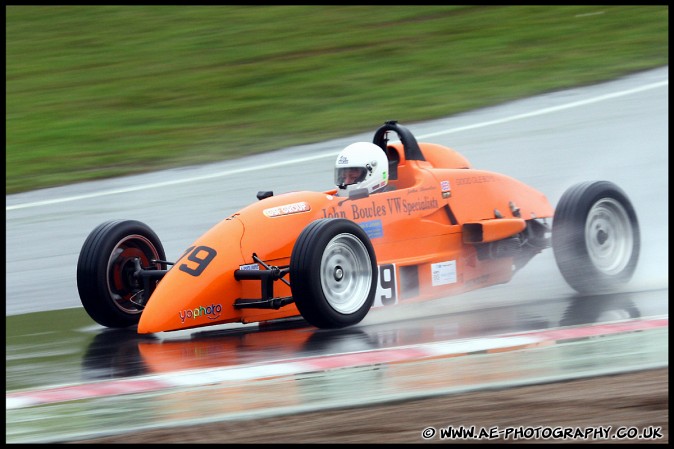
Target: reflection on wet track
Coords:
[(120, 353), (108, 355)]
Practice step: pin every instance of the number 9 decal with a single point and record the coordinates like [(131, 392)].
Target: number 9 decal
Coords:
[(386, 290), (199, 257)]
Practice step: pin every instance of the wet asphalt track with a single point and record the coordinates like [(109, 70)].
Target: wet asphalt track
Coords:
[(615, 131)]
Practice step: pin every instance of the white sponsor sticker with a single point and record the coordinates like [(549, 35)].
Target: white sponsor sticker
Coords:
[(250, 266), (287, 209), (443, 273)]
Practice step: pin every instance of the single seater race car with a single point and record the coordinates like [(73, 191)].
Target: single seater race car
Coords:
[(440, 228)]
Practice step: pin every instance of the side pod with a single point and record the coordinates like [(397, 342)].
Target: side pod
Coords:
[(492, 230)]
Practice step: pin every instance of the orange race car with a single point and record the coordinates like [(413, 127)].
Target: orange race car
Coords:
[(408, 221)]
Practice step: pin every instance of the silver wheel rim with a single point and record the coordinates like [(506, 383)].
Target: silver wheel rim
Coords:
[(346, 273), (608, 236), (122, 256)]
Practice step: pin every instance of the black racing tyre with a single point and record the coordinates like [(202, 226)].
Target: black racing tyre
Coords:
[(333, 273), (595, 237), (108, 290)]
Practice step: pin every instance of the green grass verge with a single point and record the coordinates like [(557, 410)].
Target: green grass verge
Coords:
[(103, 91)]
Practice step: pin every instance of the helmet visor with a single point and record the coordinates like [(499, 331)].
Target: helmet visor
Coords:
[(345, 176)]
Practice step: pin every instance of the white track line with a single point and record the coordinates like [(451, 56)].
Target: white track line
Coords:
[(536, 113)]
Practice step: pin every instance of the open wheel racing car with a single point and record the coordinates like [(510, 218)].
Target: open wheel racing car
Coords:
[(442, 228)]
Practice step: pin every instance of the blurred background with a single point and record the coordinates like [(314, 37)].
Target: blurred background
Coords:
[(98, 92), (101, 91)]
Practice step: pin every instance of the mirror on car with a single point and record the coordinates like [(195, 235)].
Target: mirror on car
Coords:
[(262, 194)]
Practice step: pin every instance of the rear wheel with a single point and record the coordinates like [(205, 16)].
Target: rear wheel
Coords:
[(110, 292), (595, 237), (333, 273)]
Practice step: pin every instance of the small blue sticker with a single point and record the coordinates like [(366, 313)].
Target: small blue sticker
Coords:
[(373, 228)]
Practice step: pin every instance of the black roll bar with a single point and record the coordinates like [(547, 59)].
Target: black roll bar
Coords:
[(410, 145)]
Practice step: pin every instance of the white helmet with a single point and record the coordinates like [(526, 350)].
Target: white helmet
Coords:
[(361, 165)]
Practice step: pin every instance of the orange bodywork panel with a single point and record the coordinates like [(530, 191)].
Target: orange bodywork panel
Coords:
[(422, 233)]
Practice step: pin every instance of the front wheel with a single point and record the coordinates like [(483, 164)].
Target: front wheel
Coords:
[(595, 237), (110, 292), (333, 273)]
